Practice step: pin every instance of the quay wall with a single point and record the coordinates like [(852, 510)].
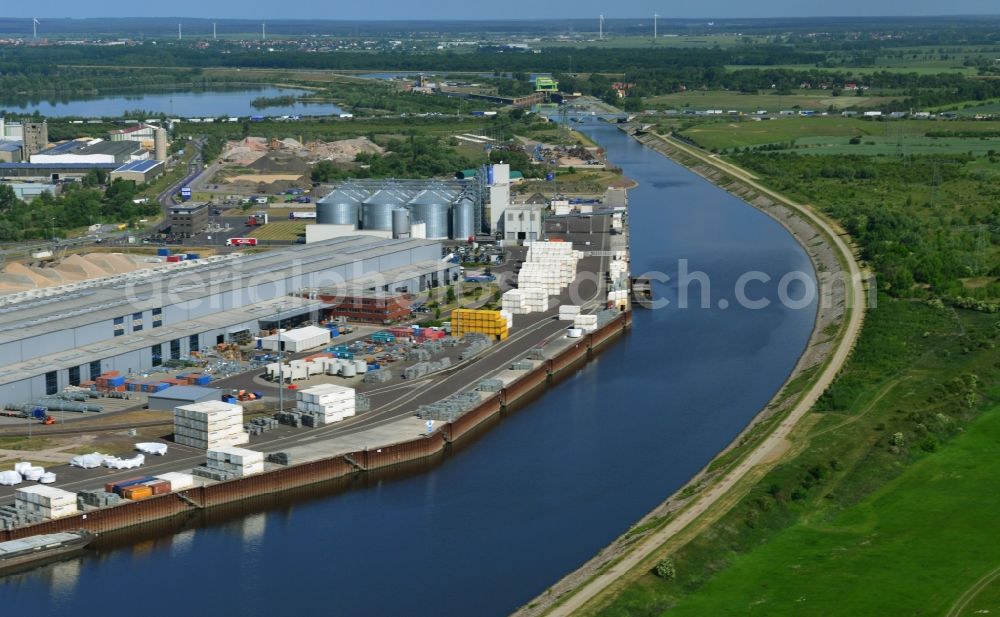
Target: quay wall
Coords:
[(138, 513)]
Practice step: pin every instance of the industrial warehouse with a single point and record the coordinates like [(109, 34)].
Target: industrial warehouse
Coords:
[(431, 209), (60, 336)]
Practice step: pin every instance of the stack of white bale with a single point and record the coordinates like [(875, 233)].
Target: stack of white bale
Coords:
[(513, 302), (587, 323), (619, 299), (209, 425), (332, 403), (619, 272), (237, 461), (509, 317), (568, 312), (46, 501)]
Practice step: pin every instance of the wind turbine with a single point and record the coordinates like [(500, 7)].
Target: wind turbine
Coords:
[(655, 17), (601, 35), (214, 37), (179, 34), (263, 32), (34, 26)]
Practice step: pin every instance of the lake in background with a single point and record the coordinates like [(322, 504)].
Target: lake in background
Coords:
[(191, 104)]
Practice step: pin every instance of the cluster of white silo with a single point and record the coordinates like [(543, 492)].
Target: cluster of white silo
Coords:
[(433, 209)]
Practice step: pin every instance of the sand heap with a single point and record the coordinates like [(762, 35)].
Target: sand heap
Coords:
[(246, 152), (17, 277), (343, 151)]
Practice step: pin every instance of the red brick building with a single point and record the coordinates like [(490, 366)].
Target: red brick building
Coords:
[(375, 307)]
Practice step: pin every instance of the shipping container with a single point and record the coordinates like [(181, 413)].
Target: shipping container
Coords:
[(135, 493), (163, 252), (117, 487), (159, 487)]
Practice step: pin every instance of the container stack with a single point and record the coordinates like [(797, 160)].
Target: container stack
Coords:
[(112, 380), (209, 425), (568, 312), (178, 481), (46, 501), (236, 462), (118, 488), (490, 323), (587, 323), (327, 403)]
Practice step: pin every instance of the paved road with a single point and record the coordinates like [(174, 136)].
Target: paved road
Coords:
[(773, 444)]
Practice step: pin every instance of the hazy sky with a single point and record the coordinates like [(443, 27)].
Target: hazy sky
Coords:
[(516, 9)]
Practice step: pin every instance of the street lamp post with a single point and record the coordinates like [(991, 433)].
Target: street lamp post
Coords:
[(281, 364)]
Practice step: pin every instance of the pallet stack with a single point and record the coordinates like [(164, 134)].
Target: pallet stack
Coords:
[(327, 403), (467, 321), (209, 425), (236, 462), (47, 502), (568, 312), (587, 323)]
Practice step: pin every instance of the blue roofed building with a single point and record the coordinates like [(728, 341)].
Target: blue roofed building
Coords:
[(141, 172)]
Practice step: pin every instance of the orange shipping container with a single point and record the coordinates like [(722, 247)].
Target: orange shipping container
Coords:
[(135, 493)]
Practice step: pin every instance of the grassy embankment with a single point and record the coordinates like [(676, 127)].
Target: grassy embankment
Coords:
[(881, 507), (839, 517)]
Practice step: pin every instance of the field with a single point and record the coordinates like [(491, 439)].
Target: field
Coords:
[(626, 42), (280, 230), (924, 68), (858, 520), (819, 100), (834, 132), (878, 145), (912, 548)]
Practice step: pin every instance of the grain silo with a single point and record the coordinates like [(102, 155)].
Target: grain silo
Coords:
[(160, 144), (433, 207), (341, 207), (400, 223), (376, 211), (463, 219)]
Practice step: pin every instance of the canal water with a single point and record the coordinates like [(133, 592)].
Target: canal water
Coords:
[(193, 104), (530, 500)]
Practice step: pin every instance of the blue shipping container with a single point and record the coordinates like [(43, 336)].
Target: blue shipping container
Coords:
[(118, 486), (116, 381), (194, 256), (163, 252), (334, 331)]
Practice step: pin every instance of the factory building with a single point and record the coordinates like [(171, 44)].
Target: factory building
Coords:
[(11, 151), (372, 307), (433, 209), (189, 218), (11, 131), (142, 133), (26, 191), (522, 222), (140, 172), (59, 336), (35, 138), (94, 151), (52, 172)]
